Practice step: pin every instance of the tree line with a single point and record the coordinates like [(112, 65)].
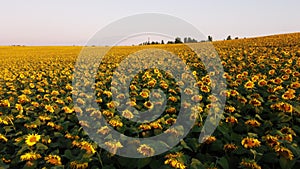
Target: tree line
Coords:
[(178, 40)]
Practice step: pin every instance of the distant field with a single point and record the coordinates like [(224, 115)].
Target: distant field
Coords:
[(260, 127)]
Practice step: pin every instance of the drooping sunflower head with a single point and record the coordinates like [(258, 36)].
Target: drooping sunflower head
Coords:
[(53, 159), (146, 150), (250, 142)]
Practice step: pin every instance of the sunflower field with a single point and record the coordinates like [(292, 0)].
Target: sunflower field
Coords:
[(259, 128)]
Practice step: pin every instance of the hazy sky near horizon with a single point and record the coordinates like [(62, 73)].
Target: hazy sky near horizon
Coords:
[(73, 22)]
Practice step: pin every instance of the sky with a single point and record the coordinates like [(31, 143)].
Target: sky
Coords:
[(74, 22)]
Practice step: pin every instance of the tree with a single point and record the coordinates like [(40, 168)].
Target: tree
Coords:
[(210, 39), (228, 37), (189, 40), (178, 40), (162, 42)]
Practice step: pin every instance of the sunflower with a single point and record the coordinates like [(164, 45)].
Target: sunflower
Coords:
[(170, 121), (253, 123), (229, 147), (242, 99), (174, 163), (131, 103), (148, 105), (145, 127), (234, 93), (272, 72), (88, 147), (254, 78), (155, 125), (108, 114), (35, 104), (188, 91), (53, 159), (282, 106), (151, 83), (288, 95), (277, 88), (278, 80), (205, 89), (272, 141), (230, 109), (30, 156), (55, 93), (145, 94), (104, 130), (115, 123), (287, 137), (250, 142), (209, 139), (249, 85), (255, 102), (78, 165), (164, 85), (171, 110), (5, 103), (30, 126), (112, 105), (295, 85), (284, 152), (231, 120), (4, 121), (2, 137), (251, 164), (172, 98), (113, 146), (145, 150), (288, 130), (133, 87), (285, 77), (262, 82), (19, 107), (32, 139), (239, 76), (107, 93), (69, 87), (49, 108), (68, 110), (127, 114)]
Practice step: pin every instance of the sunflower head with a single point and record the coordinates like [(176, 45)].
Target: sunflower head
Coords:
[(32, 139)]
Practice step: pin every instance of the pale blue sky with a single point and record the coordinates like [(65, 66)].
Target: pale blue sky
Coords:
[(68, 22)]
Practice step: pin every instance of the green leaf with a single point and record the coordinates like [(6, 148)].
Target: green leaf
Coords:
[(270, 157), (68, 154), (3, 165), (58, 134), (41, 146), (8, 128), (223, 162), (109, 167), (127, 162), (155, 164), (58, 167), (216, 146), (193, 143), (286, 163), (196, 164), (224, 130), (143, 162), (24, 148), (184, 145)]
